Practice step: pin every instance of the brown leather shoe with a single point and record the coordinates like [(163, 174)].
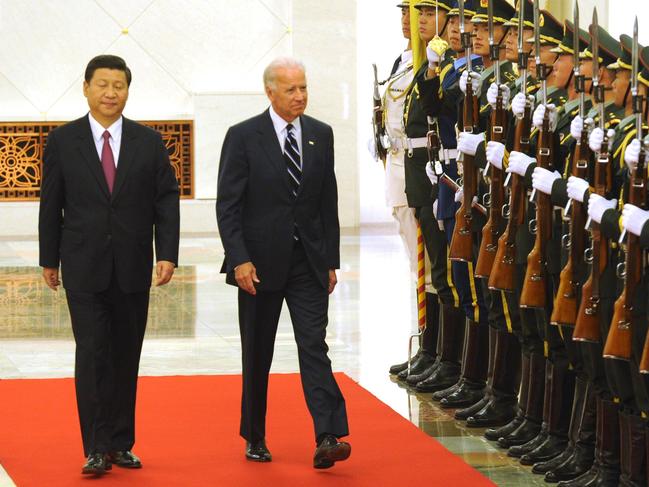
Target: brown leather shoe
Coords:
[(330, 451), (258, 452), (125, 459), (96, 464)]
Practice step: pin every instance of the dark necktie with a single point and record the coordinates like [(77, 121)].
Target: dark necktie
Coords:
[(108, 162), (292, 158)]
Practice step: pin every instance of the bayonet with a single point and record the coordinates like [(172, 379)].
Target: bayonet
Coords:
[(598, 88), (637, 102), (540, 68)]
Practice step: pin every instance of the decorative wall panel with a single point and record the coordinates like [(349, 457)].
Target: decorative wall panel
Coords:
[(21, 153)]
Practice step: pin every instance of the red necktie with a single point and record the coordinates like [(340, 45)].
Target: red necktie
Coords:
[(108, 162)]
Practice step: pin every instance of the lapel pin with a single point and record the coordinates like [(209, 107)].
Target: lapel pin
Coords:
[(311, 142)]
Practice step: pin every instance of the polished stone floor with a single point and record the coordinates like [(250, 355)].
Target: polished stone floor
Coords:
[(193, 330)]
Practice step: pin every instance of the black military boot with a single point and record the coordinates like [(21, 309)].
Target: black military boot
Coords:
[(632, 451), (582, 451), (451, 341), (606, 467), (428, 356), (501, 407), (563, 391), (439, 395), (493, 434), (533, 400), (470, 387), (518, 451)]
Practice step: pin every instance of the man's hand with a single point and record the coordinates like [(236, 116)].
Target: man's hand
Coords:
[(51, 277), (163, 272), (333, 280), (246, 276)]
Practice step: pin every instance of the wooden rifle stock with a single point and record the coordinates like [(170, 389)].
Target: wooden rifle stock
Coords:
[(445, 180), (533, 294), (492, 230), (502, 276), (564, 311), (618, 341), (461, 247), (587, 324)]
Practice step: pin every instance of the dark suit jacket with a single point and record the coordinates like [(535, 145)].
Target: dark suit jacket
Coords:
[(255, 212), (94, 234)]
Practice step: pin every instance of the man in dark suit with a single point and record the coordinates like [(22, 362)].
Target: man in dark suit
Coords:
[(108, 189), (277, 213)]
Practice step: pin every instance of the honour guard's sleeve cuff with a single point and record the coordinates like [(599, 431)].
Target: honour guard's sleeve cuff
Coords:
[(559, 194), (609, 226), (528, 175)]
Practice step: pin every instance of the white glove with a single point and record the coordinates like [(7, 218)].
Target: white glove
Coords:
[(459, 194), (475, 82), (435, 205), (596, 138), (597, 205), (468, 143), (633, 219), (539, 114), (576, 188), (433, 58), (542, 179), (495, 153), (519, 162), (576, 127), (371, 147), (632, 154), (518, 104), (430, 172), (492, 94)]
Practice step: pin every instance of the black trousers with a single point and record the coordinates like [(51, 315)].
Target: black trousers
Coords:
[(307, 303), (108, 330)]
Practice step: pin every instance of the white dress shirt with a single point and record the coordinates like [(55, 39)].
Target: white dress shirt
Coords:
[(280, 129), (115, 139)]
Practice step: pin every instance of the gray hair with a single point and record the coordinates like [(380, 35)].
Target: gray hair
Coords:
[(270, 73)]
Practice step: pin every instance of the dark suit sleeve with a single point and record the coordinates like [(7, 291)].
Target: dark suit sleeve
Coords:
[(167, 207), (50, 217), (231, 187), (329, 208)]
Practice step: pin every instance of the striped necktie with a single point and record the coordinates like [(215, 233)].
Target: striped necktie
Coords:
[(292, 158)]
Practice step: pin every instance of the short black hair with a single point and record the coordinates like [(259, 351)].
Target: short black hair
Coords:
[(108, 61)]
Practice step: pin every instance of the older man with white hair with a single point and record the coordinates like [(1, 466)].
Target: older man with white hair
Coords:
[(277, 212)]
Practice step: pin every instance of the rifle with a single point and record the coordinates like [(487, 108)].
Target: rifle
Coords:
[(618, 341), (447, 181), (502, 276), (461, 247), (533, 294), (377, 120), (587, 325), (564, 311), (495, 199)]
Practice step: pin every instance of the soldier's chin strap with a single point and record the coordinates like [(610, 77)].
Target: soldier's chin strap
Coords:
[(572, 73), (626, 95), (500, 42)]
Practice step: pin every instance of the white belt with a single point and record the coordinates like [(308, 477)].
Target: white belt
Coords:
[(448, 154), (408, 144)]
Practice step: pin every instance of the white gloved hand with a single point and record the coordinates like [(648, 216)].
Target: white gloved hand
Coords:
[(468, 143), (576, 127), (518, 104), (495, 153), (539, 114), (430, 172), (519, 162), (433, 58), (475, 82), (492, 94), (596, 138), (435, 205), (459, 194), (632, 154), (576, 188), (597, 205), (371, 148), (542, 179), (634, 218)]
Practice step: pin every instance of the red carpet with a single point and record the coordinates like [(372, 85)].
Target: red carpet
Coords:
[(188, 436)]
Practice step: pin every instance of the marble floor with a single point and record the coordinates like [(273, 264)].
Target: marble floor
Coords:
[(193, 330)]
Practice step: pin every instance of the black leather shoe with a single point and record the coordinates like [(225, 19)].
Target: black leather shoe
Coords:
[(417, 365), (463, 414), (413, 379), (553, 446), (443, 377), (395, 369), (330, 451), (578, 464), (527, 431), (465, 395), (125, 459), (258, 451), (439, 395), (493, 434), (494, 413), (541, 468), (96, 464), (518, 451)]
